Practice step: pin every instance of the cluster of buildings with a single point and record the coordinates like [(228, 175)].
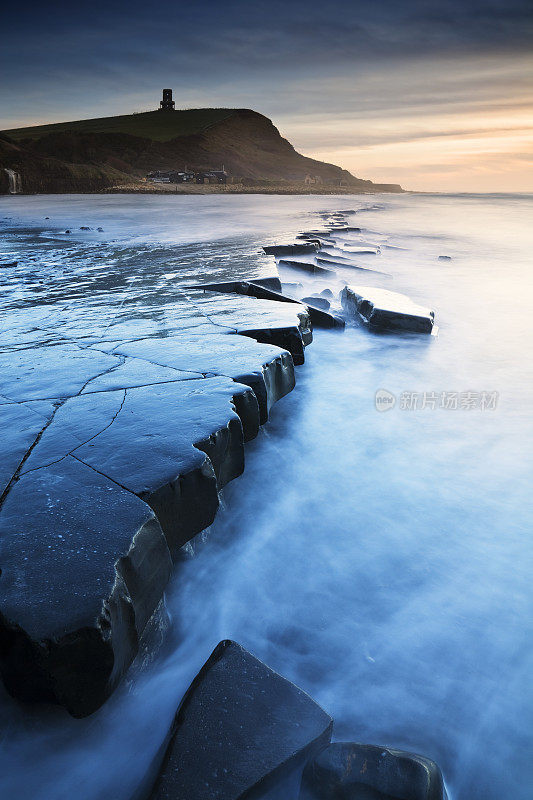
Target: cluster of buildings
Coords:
[(173, 176)]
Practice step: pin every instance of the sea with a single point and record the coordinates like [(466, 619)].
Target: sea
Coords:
[(378, 554)]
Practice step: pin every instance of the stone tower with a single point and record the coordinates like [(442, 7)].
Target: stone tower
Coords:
[(167, 103)]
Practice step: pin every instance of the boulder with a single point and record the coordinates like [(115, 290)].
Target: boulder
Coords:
[(240, 730), (382, 310), (349, 771)]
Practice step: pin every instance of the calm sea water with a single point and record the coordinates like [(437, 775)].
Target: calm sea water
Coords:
[(381, 560)]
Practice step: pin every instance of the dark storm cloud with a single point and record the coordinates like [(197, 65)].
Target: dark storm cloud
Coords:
[(231, 36)]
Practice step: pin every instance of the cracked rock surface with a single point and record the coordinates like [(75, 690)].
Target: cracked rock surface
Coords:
[(120, 426)]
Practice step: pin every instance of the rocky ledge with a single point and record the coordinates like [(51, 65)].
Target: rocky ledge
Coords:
[(117, 446)]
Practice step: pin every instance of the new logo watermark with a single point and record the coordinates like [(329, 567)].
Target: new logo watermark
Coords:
[(385, 400), (449, 401)]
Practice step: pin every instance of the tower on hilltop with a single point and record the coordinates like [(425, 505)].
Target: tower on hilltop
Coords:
[(167, 103)]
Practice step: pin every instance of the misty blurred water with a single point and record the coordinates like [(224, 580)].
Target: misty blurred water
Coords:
[(381, 560)]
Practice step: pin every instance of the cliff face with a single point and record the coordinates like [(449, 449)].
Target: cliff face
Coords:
[(65, 158)]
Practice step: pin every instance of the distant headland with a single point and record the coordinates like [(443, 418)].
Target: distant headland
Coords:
[(189, 151)]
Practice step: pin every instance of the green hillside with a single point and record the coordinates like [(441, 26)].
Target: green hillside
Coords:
[(160, 126)]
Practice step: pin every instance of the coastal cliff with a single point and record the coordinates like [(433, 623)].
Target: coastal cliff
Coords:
[(99, 154)]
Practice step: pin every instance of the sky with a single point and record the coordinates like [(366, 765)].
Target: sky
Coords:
[(437, 96)]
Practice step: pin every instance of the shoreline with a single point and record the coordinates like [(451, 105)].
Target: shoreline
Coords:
[(237, 189)]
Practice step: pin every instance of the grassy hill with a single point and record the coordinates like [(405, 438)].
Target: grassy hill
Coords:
[(95, 154), (155, 125)]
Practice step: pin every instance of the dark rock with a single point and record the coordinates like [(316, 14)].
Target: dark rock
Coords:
[(347, 771), (83, 566), (116, 446), (445, 258), (273, 283), (67, 231), (317, 302), (323, 319), (248, 288), (268, 371), (382, 309), (306, 266), (345, 229), (326, 293), (285, 325), (240, 730), (85, 228), (174, 445), (289, 249), (100, 230), (20, 426), (342, 261)]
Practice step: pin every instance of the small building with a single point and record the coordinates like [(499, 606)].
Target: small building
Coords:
[(212, 176), (167, 103)]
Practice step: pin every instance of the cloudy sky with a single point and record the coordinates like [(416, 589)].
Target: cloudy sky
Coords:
[(435, 95)]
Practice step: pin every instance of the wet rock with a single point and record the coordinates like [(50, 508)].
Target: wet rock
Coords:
[(289, 249), (68, 231), (342, 261), (285, 325), (326, 293), (305, 266), (273, 283), (268, 370), (84, 228), (118, 424), (240, 730), (347, 771), (346, 229), (83, 566), (445, 258), (100, 230), (317, 302), (36, 373), (20, 426), (174, 445), (247, 288), (381, 309)]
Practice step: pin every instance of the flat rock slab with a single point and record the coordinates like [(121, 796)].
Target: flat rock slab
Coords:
[(174, 445), (115, 453), (341, 261), (348, 771), (283, 324), (305, 266), (289, 249), (381, 309), (83, 566), (240, 729), (50, 372), (20, 426), (267, 369)]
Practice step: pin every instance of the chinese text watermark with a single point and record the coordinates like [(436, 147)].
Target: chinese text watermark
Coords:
[(449, 401)]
